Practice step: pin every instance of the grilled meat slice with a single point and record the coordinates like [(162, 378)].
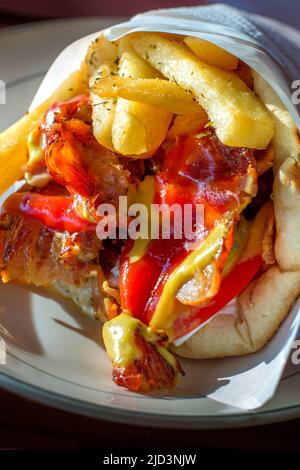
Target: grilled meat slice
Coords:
[(31, 253)]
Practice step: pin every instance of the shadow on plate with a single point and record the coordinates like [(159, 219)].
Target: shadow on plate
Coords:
[(202, 377), (16, 322)]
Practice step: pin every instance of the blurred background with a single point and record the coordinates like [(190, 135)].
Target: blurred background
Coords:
[(20, 11)]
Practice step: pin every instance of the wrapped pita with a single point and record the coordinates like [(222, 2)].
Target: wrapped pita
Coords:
[(267, 299)]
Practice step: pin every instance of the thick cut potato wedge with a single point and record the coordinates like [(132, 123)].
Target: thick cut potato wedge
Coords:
[(13, 141), (187, 123), (101, 51), (154, 91), (240, 118), (138, 128), (211, 53), (103, 108), (102, 61), (131, 64)]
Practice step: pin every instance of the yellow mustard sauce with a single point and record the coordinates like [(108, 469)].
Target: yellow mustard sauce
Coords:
[(119, 339), (118, 336), (143, 194), (33, 173), (166, 311), (34, 146)]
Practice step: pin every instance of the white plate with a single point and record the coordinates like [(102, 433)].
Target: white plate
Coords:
[(54, 354)]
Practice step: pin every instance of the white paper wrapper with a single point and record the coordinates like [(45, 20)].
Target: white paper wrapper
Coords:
[(246, 382)]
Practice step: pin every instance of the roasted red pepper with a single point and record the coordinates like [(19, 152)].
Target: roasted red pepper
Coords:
[(139, 281), (231, 286), (56, 212), (197, 169)]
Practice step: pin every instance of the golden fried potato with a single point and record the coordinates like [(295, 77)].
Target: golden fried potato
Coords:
[(13, 141), (187, 123), (103, 108), (101, 51), (154, 91), (102, 61), (131, 64), (137, 128), (240, 118), (211, 53)]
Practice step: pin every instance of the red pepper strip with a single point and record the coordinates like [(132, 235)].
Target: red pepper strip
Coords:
[(231, 286), (141, 275), (139, 280), (56, 212)]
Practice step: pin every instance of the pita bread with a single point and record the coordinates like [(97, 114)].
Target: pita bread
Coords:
[(286, 143), (261, 309), (286, 140), (267, 300)]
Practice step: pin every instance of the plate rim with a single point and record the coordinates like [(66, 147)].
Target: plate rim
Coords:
[(125, 416)]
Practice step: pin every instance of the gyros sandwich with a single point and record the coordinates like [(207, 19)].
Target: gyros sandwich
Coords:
[(164, 122)]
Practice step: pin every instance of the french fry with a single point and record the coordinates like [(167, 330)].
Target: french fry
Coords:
[(101, 51), (138, 128), (211, 53), (13, 141), (103, 108), (154, 91), (131, 64), (102, 61), (239, 117), (187, 123)]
